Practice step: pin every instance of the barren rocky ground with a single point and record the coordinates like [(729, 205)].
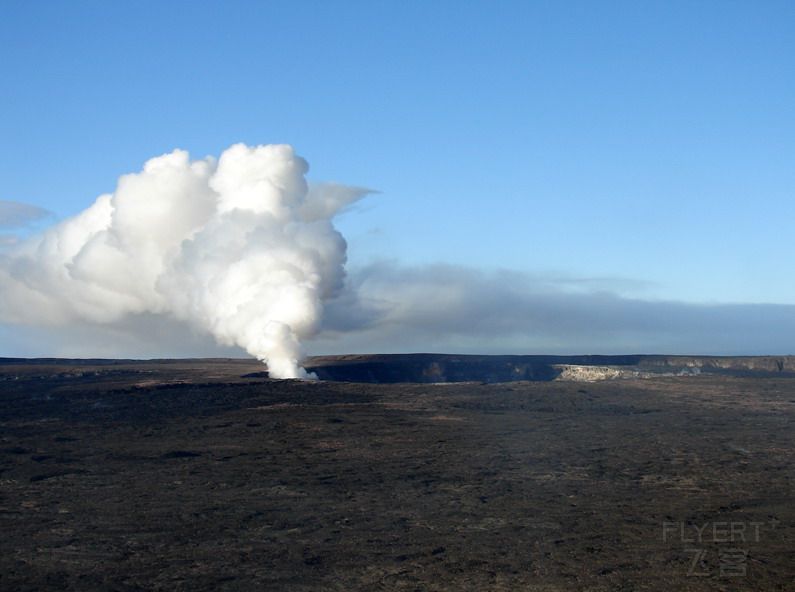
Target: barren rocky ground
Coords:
[(190, 476)]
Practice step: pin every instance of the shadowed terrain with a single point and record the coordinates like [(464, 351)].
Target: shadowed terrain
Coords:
[(463, 368), (202, 475)]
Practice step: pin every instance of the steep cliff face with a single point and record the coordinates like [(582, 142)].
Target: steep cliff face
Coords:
[(434, 368)]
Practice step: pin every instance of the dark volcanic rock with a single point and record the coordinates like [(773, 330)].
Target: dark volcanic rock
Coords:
[(183, 476)]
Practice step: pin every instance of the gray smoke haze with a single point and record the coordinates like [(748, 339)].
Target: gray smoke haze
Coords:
[(393, 309), (14, 214), (387, 307)]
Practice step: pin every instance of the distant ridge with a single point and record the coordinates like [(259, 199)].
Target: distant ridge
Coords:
[(436, 368), (394, 368)]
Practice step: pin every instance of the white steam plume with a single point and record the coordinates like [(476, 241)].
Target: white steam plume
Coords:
[(241, 248)]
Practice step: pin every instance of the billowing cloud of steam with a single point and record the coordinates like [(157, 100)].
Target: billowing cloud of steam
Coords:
[(241, 248)]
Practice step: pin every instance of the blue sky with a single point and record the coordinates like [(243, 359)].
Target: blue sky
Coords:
[(648, 144)]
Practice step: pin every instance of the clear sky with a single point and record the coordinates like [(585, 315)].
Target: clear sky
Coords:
[(652, 142)]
